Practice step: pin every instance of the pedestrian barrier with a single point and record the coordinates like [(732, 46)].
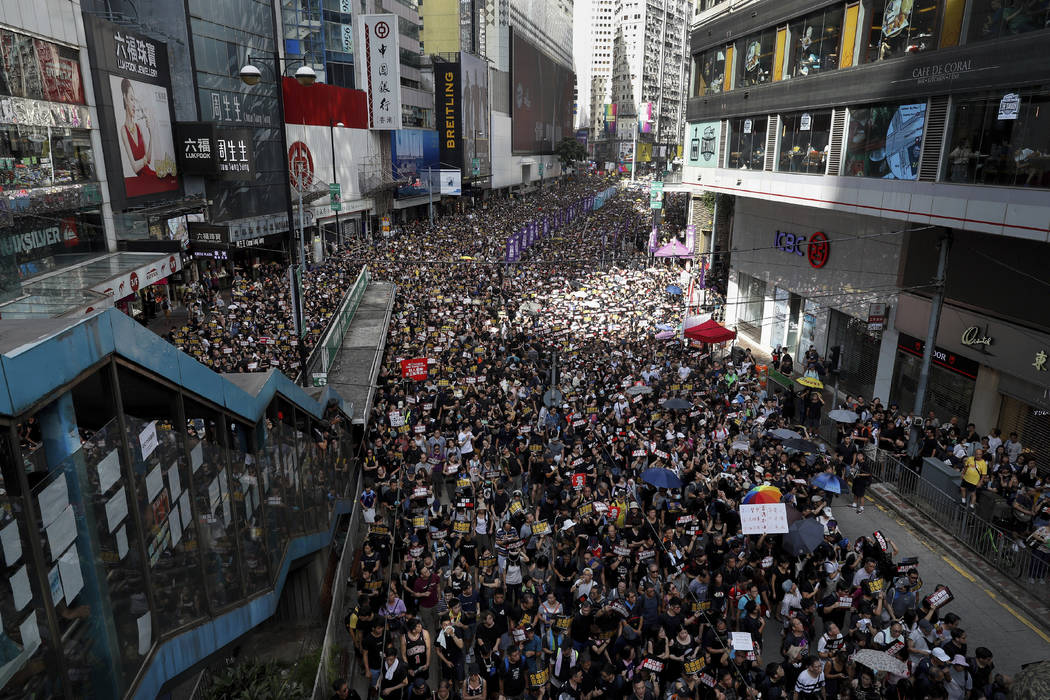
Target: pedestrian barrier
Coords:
[(335, 635), (322, 357), (996, 546)]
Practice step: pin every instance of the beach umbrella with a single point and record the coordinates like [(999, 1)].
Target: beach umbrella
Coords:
[(880, 661), (810, 382), (677, 404), (661, 478), (800, 445), (840, 415), (785, 434), (762, 494), (803, 536), (828, 482)]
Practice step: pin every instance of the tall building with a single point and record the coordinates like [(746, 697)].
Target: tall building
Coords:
[(322, 33), (846, 141), (636, 75)]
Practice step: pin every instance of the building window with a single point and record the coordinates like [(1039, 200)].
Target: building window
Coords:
[(1001, 140), (990, 19), (902, 26), (747, 143), (815, 42), (36, 156), (885, 141), (39, 70), (710, 67), (758, 58), (804, 142)]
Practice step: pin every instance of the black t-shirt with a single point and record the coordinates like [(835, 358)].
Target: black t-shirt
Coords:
[(580, 630), (373, 646), (515, 677), (487, 636)]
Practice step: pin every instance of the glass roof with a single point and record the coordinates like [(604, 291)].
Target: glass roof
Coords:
[(69, 289)]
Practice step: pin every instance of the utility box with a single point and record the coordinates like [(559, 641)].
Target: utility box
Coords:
[(944, 476)]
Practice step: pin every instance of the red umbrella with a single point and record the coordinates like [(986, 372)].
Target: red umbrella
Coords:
[(710, 331)]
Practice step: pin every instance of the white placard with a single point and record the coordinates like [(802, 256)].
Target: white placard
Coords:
[(62, 532), (108, 471), (122, 543), (53, 500), (54, 581), (72, 578), (20, 590), (12, 543), (763, 518), (30, 634), (174, 481), (742, 641), (1009, 106), (805, 122), (176, 527), (380, 72), (148, 440), (213, 494), (184, 506), (116, 509), (154, 483), (145, 626)]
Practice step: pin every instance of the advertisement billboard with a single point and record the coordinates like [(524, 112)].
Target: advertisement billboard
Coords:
[(133, 92), (541, 99), (212, 151), (448, 111), (474, 78), (412, 152), (702, 144)]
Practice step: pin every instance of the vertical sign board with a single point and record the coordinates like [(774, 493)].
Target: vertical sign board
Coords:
[(133, 94), (377, 44), (449, 113)]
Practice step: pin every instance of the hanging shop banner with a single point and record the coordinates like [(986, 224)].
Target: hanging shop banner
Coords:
[(133, 94), (377, 43), (211, 151), (449, 113)]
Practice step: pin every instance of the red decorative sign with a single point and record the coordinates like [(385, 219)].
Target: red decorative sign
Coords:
[(819, 250), (300, 165), (414, 369)]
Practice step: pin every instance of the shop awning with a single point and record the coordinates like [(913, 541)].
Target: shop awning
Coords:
[(93, 284)]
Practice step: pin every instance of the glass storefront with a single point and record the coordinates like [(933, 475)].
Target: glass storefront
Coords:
[(815, 42), (1001, 139), (885, 141), (747, 143), (804, 142), (991, 19), (900, 27), (757, 57), (949, 393), (43, 156), (710, 71)]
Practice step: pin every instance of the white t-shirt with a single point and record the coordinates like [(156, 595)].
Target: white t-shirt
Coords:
[(466, 445)]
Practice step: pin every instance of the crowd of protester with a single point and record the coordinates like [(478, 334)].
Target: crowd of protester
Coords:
[(515, 546)]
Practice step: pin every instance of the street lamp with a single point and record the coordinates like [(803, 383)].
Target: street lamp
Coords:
[(251, 75)]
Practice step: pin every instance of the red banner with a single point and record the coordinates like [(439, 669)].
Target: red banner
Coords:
[(414, 369)]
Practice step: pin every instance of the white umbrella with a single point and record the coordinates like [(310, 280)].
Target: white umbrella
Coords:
[(880, 661), (840, 415)]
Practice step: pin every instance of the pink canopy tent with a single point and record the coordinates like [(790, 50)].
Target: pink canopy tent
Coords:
[(674, 249)]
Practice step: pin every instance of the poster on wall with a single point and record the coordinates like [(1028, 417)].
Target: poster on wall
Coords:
[(413, 153), (541, 99), (377, 44), (474, 101), (703, 144), (133, 92)]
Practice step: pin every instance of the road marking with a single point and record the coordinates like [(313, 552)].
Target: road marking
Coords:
[(961, 571), (1024, 620)]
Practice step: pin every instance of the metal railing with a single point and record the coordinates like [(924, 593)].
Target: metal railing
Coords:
[(334, 632), (324, 353), (997, 546)]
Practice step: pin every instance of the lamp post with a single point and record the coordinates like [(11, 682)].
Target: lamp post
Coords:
[(335, 179), (251, 75)]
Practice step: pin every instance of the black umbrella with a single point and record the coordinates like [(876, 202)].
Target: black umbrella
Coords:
[(677, 405), (803, 536), (801, 445)]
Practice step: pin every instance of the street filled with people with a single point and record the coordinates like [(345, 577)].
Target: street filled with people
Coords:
[(555, 500)]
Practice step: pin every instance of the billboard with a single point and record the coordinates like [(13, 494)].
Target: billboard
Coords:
[(702, 144), (474, 78), (448, 110), (541, 99), (377, 45), (211, 151), (412, 152), (133, 93), (609, 119)]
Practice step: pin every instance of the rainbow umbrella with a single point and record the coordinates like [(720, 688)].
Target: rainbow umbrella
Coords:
[(762, 494)]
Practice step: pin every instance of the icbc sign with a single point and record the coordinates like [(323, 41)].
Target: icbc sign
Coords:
[(817, 250)]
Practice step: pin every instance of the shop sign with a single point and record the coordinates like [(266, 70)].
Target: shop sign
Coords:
[(335, 195), (817, 250), (129, 283), (1040, 361), (806, 122), (876, 317), (64, 233), (208, 233), (377, 43), (941, 357), (973, 336)]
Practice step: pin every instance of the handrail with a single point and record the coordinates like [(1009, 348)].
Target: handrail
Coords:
[(324, 352)]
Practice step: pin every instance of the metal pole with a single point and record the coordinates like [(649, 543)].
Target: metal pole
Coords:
[(634, 146), (711, 246), (931, 338), (335, 179)]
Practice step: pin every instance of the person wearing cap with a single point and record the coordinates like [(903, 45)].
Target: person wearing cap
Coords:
[(959, 682)]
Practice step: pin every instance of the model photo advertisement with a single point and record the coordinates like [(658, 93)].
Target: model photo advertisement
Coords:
[(147, 151)]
